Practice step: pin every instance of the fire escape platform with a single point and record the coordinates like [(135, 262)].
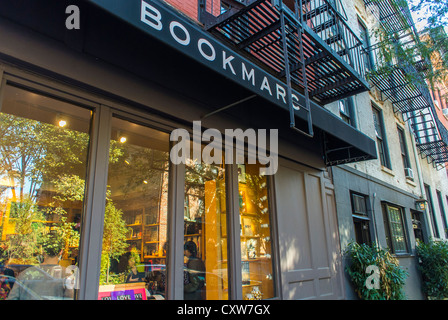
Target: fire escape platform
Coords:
[(331, 52)]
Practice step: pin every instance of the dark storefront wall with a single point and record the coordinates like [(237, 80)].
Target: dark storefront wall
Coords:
[(378, 194)]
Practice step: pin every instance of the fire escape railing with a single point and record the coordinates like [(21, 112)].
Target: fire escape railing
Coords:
[(307, 43), (402, 80)]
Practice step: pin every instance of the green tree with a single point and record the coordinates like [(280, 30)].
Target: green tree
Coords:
[(23, 246), (433, 264), (400, 44)]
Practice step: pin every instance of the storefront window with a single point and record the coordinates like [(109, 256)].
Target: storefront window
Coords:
[(205, 235), (256, 248), (43, 160), (133, 260)]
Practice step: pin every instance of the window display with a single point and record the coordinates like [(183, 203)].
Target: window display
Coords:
[(44, 145), (133, 258), (256, 247)]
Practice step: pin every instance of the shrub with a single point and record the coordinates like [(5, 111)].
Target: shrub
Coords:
[(433, 264), (390, 275)]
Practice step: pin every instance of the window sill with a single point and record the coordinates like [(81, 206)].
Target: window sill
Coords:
[(403, 255), (411, 182), (388, 171)]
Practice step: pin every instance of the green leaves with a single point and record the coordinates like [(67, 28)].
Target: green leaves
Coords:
[(391, 276), (433, 258)]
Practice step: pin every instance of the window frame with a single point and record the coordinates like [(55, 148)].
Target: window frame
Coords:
[(381, 139), (431, 211), (389, 229), (404, 148), (363, 219), (364, 35), (442, 213), (96, 185), (347, 113)]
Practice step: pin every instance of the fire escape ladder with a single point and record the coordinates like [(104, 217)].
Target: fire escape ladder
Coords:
[(286, 52)]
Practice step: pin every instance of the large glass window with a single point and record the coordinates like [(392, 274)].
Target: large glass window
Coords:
[(205, 233), (133, 258), (256, 238), (44, 146)]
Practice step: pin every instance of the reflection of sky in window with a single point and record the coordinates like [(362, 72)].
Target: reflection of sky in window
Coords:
[(31, 124)]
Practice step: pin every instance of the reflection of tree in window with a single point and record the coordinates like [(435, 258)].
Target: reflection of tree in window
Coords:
[(43, 159)]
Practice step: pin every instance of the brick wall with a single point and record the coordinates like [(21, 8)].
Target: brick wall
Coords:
[(190, 7)]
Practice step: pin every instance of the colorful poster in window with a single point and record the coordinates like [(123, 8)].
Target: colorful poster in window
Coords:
[(122, 292)]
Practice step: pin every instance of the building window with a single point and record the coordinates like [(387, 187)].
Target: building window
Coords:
[(395, 229), (435, 228), (346, 111), (44, 147), (361, 220), (417, 225), (380, 137), (404, 152), (442, 213), (206, 220), (368, 58)]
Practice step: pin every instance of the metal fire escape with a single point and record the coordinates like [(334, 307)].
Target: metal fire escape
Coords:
[(307, 43), (403, 81)]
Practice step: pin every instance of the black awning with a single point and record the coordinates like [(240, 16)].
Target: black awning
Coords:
[(193, 63), (342, 143)]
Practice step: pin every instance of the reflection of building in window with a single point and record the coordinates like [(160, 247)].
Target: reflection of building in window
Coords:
[(135, 224)]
